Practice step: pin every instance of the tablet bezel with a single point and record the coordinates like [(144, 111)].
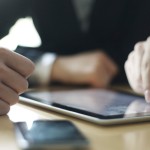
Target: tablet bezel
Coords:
[(101, 121)]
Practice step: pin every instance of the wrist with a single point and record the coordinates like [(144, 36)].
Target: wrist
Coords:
[(42, 72), (58, 70)]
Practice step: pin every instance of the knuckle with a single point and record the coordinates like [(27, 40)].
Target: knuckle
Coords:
[(138, 50), (138, 45)]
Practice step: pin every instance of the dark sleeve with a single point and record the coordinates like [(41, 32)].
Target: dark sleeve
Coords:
[(32, 53), (139, 29), (136, 27), (10, 12)]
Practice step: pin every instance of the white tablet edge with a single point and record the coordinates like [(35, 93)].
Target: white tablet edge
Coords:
[(85, 117)]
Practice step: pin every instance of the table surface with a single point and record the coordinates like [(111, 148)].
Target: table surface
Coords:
[(120, 137)]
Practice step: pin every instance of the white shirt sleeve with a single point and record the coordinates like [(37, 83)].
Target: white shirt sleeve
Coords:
[(43, 68)]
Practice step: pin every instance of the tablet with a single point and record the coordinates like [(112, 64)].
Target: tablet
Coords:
[(102, 106)]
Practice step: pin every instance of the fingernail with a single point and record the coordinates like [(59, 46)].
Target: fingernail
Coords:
[(147, 96)]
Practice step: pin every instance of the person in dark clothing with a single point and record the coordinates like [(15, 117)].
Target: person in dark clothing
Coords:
[(83, 41)]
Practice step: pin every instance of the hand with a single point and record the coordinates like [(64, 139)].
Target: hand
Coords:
[(137, 68), (137, 108), (14, 71), (92, 68)]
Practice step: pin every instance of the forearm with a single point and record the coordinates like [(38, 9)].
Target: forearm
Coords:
[(89, 68)]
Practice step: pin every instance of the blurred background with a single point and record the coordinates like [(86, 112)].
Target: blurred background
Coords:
[(22, 33)]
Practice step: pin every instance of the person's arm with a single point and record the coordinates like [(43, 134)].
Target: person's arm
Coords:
[(90, 68), (14, 71), (94, 68), (137, 68)]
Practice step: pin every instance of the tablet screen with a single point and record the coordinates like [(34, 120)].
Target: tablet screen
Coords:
[(104, 104)]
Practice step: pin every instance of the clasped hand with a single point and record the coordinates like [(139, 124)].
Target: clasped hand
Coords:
[(14, 71)]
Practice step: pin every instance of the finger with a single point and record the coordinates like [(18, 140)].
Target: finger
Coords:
[(4, 108), (134, 75), (129, 73), (17, 62), (8, 95), (145, 69), (13, 79), (129, 69), (138, 55)]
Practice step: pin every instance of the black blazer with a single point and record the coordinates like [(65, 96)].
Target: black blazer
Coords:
[(115, 26)]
